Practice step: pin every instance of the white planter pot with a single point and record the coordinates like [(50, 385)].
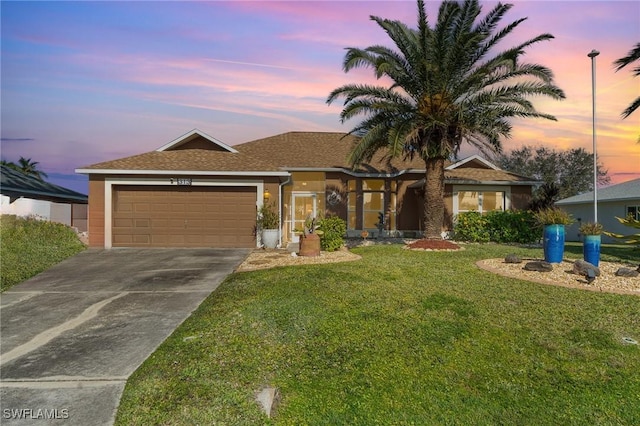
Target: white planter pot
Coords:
[(270, 238)]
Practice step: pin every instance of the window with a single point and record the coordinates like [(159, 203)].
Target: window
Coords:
[(372, 202), (633, 211), (492, 201), (480, 201), (366, 202), (351, 205)]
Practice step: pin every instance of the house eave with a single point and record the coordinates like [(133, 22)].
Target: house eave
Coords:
[(491, 182), (590, 202), (26, 193), (351, 172), (181, 172)]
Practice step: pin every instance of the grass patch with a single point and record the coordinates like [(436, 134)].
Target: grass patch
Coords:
[(29, 246), (400, 337)]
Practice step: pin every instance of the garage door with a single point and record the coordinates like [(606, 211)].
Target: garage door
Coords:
[(185, 216)]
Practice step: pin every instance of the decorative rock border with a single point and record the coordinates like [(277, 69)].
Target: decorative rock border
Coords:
[(562, 275)]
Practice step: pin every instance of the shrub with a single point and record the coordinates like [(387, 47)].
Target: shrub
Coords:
[(471, 226), (590, 228), (513, 227), (553, 216), (268, 217), (334, 230), (497, 226)]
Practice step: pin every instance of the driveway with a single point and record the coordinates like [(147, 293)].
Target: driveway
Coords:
[(71, 336)]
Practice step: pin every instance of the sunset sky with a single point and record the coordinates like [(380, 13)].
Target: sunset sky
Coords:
[(84, 82)]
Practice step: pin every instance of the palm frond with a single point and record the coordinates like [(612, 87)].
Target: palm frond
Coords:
[(631, 108), (632, 56)]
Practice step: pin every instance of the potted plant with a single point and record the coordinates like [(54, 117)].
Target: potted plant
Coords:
[(553, 221), (310, 238), (268, 224), (591, 245)]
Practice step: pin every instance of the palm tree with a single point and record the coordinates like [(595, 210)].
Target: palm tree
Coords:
[(30, 168), (446, 86), (10, 164), (633, 55)]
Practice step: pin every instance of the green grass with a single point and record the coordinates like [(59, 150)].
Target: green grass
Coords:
[(400, 337), (29, 246)]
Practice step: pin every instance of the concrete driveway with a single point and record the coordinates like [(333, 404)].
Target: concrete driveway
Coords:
[(71, 336)]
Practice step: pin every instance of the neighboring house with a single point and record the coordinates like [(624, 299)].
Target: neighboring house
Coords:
[(614, 201), (24, 195), (197, 191)]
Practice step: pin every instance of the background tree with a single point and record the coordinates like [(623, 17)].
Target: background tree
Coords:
[(448, 84), (544, 197), (570, 171), (26, 166), (10, 164)]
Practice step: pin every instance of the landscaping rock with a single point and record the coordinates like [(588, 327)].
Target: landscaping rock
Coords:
[(581, 267), (538, 266), (267, 398), (638, 268), (627, 272), (512, 258)]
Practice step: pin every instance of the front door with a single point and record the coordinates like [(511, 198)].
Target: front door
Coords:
[(303, 206)]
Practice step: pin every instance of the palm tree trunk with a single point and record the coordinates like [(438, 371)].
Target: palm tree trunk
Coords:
[(434, 198)]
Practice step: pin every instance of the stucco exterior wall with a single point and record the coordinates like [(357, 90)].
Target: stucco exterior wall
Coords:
[(95, 216), (607, 212), (520, 197), (41, 209)]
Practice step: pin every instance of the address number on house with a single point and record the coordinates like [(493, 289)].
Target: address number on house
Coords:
[(183, 181)]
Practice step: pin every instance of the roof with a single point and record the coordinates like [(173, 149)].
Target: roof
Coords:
[(198, 153), (320, 151), (629, 190), (16, 184), (194, 152), (193, 135)]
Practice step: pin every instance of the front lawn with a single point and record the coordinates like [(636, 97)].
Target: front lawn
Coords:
[(399, 337), (29, 246)]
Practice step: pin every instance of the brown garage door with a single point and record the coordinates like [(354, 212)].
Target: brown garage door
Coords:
[(185, 216)]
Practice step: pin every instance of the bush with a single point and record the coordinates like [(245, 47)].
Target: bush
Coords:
[(553, 216), (513, 227), (334, 230), (29, 246), (497, 226), (268, 217), (471, 226)]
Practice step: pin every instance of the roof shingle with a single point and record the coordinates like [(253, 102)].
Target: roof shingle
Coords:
[(287, 152)]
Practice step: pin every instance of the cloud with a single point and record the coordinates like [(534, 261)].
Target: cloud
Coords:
[(16, 139)]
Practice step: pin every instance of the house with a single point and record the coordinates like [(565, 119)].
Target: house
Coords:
[(24, 195), (619, 200), (197, 191)]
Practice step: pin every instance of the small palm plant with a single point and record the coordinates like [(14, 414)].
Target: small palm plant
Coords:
[(553, 216), (590, 228), (311, 225), (268, 217), (631, 238)]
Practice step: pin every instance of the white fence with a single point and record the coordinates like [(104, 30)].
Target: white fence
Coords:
[(45, 210)]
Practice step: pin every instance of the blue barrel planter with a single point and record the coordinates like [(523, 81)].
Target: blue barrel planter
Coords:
[(591, 249), (553, 243)]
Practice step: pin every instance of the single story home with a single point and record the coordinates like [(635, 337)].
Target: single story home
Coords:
[(197, 191), (24, 195), (620, 200)]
